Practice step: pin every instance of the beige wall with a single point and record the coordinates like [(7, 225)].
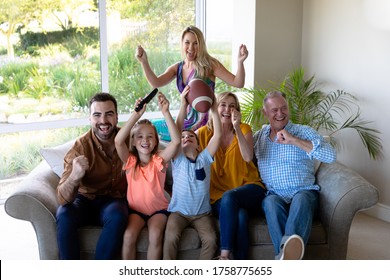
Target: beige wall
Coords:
[(278, 34), (272, 31), (346, 44)]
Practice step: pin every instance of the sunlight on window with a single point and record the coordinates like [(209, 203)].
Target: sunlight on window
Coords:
[(49, 60), (218, 33), (50, 64), (157, 26)]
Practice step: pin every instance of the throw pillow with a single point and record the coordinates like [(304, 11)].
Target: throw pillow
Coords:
[(54, 156)]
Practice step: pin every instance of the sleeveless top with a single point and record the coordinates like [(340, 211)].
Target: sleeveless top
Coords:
[(194, 119)]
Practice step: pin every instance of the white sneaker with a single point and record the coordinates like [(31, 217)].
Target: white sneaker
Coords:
[(293, 248)]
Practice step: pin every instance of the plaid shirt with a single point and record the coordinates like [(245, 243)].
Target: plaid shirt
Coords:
[(287, 169)]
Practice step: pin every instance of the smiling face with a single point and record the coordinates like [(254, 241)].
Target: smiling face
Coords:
[(103, 119), (276, 110), (225, 107), (144, 139), (189, 140), (190, 46)]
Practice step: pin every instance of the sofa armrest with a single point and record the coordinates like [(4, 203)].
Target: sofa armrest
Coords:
[(343, 193), (35, 200)]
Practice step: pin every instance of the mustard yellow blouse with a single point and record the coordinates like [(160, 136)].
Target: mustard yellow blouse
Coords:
[(229, 169)]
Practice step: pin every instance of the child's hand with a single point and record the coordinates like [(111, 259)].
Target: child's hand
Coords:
[(214, 106), (163, 102), (183, 96), (140, 112)]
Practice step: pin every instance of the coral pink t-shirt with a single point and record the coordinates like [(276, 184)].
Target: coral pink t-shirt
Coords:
[(145, 191)]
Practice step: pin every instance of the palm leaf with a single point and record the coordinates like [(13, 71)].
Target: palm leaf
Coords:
[(252, 106), (310, 106), (302, 96), (334, 103), (369, 136)]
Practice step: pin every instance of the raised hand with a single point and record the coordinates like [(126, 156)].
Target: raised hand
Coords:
[(183, 96), (236, 118), (163, 102), (143, 109), (242, 53), (140, 54), (80, 166)]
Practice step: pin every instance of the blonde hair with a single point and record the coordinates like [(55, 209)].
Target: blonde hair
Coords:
[(204, 62), (220, 97), (133, 149)]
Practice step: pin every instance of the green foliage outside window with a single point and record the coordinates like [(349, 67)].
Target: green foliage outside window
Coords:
[(64, 63), (55, 71)]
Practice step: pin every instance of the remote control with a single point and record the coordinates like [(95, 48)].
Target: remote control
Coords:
[(146, 99)]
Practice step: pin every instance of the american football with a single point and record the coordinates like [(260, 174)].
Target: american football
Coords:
[(200, 96)]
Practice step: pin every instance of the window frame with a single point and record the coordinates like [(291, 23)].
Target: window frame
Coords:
[(200, 21)]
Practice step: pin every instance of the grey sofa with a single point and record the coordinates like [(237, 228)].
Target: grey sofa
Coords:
[(343, 193)]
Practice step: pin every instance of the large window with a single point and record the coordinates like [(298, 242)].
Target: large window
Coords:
[(218, 33), (219, 23), (49, 64), (157, 26), (54, 56)]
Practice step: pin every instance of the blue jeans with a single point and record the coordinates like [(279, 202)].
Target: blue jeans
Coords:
[(110, 213), (233, 211), (285, 219)]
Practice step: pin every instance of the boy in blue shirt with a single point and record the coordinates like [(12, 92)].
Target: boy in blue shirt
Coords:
[(190, 203)]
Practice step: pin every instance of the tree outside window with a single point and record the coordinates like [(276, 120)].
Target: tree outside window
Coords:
[(50, 63)]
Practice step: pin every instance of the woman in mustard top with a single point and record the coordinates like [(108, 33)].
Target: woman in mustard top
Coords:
[(236, 191)]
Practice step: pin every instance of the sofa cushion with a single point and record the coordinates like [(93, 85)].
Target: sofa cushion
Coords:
[(89, 236), (259, 235), (259, 238), (54, 156)]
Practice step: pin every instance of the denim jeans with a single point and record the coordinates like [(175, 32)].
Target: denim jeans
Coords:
[(110, 213), (285, 219), (233, 210)]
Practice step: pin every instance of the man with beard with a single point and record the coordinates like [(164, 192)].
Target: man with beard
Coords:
[(92, 189)]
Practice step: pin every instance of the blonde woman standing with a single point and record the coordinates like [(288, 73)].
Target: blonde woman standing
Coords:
[(196, 63)]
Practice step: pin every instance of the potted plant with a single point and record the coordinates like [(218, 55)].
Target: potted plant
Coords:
[(328, 113)]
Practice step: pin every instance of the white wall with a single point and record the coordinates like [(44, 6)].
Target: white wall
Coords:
[(346, 44)]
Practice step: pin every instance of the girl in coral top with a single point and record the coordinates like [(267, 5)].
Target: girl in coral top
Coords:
[(145, 167)]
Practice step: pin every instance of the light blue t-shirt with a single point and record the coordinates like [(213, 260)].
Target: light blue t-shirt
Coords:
[(191, 184), (287, 169)]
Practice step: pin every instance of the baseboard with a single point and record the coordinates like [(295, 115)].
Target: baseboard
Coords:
[(379, 211)]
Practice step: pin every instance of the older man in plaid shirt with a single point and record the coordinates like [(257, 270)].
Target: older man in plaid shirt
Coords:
[(286, 154)]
